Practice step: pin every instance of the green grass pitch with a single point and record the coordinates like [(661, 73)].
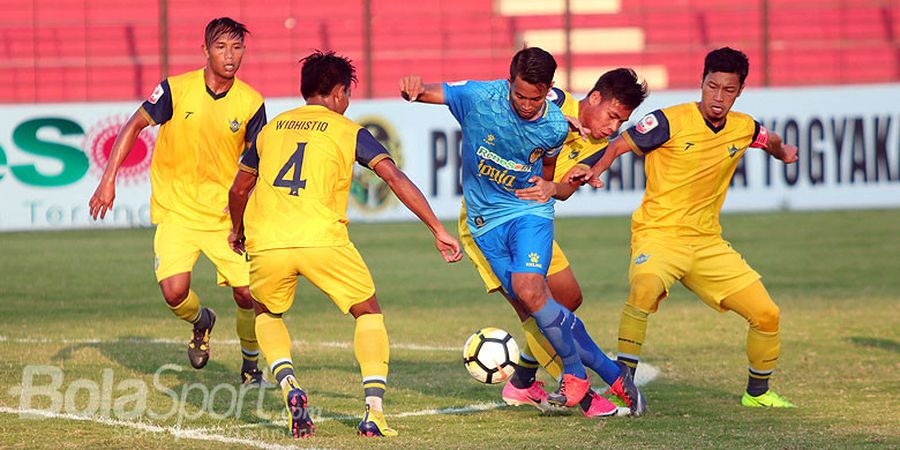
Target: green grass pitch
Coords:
[(82, 308)]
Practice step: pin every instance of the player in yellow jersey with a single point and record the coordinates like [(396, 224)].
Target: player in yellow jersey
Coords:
[(300, 171), (691, 152), (608, 105), (207, 118)]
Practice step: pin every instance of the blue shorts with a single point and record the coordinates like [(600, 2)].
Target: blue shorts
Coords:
[(522, 245)]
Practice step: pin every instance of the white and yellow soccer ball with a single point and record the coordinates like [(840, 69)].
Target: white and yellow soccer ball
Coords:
[(491, 355)]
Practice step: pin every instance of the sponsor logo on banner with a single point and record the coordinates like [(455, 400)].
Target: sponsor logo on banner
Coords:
[(98, 145), (368, 191)]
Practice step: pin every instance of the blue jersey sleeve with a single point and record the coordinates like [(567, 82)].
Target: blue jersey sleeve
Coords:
[(158, 107), (255, 124), (459, 96), (651, 132), (369, 151), (250, 160)]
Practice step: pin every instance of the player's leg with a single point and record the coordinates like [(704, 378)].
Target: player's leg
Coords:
[(234, 270), (654, 268), (724, 280), (763, 342), (273, 282), (522, 388), (341, 273), (176, 251), (530, 243)]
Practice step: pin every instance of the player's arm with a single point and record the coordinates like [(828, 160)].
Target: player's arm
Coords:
[(580, 174), (773, 145), (414, 90), (241, 187), (412, 198), (157, 109), (105, 194)]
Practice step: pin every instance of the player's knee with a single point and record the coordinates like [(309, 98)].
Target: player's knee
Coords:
[(571, 300), (174, 295), (242, 297), (767, 319), (646, 291), (369, 306), (531, 295)]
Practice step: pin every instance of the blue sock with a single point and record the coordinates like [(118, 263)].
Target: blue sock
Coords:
[(592, 356), (556, 324)]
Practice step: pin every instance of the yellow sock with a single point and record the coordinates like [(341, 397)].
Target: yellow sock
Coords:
[(246, 331), (763, 349), (632, 329), (540, 347), (189, 308), (275, 343), (370, 344)]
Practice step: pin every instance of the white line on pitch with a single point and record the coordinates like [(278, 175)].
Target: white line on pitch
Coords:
[(185, 433)]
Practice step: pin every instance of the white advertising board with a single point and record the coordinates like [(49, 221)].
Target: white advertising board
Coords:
[(51, 157)]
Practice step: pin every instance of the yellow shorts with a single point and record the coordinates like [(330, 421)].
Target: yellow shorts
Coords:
[(708, 267), (558, 260), (339, 272), (177, 248)]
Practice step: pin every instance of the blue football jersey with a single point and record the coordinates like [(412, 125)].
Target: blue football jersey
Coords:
[(501, 151)]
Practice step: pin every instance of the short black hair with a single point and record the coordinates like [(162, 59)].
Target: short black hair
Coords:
[(224, 26), (322, 71), (728, 60), (533, 65), (621, 84)]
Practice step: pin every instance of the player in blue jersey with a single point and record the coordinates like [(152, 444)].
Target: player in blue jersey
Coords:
[(511, 138)]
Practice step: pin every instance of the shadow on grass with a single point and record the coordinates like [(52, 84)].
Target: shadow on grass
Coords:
[(884, 344)]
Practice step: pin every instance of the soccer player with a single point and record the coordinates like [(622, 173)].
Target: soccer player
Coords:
[(208, 117), (511, 138), (608, 105), (691, 152), (299, 171)]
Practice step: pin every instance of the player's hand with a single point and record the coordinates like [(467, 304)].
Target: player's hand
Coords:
[(448, 246), (575, 125), (103, 199), (790, 153), (542, 190), (582, 176), (411, 87), (236, 242)]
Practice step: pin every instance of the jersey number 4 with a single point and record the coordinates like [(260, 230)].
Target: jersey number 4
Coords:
[(295, 162)]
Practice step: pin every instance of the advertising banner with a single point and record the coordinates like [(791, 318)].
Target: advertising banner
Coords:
[(52, 155)]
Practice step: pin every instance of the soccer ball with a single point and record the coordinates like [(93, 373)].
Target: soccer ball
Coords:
[(490, 355)]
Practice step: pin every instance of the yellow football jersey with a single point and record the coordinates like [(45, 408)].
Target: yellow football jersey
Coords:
[(575, 151), (304, 163), (689, 165), (201, 138)]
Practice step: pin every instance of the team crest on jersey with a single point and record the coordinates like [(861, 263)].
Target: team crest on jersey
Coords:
[(535, 155), (642, 258), (534, 260), (732, 150), (235, 125), (646, 124), (157, 93)]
